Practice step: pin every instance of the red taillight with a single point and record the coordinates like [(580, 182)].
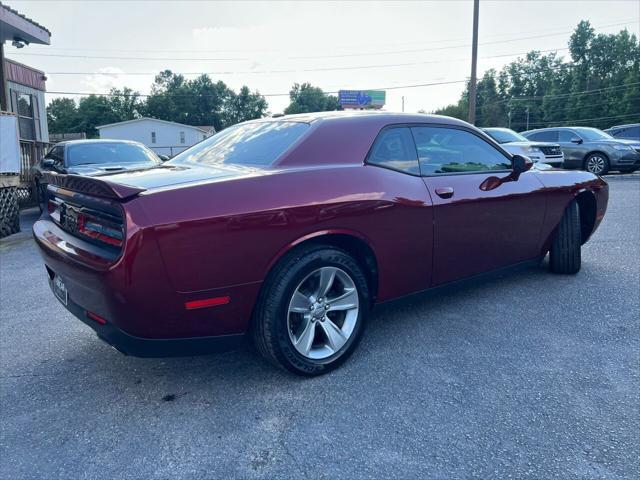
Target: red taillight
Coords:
[(96, 318), (99, 229), (207, 302)]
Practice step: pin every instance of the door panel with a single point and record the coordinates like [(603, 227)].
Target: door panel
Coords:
[(487, 222), (573, 152)]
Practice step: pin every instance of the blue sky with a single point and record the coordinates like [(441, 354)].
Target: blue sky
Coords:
[(270, 45)]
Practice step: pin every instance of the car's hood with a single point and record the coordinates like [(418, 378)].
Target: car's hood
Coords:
[(176, 174), (92, 169), (531, 144)]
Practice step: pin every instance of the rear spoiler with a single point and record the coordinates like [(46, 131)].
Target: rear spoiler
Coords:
[(92, 186)]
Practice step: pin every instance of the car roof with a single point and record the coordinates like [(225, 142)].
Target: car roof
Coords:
[(67, 143), (546, 129), (364, 116), (615, 127)]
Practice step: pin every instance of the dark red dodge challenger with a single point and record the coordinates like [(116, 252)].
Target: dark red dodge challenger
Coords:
[(289, 229)]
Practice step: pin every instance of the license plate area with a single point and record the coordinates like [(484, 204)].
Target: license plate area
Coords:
[(60, 289)]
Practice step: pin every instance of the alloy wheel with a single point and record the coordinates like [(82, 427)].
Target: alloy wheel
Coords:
[(323, 312), (596, 164)]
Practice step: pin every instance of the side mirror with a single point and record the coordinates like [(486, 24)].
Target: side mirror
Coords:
[(48, 162), (521, 164), (576, 140), (164, 158)]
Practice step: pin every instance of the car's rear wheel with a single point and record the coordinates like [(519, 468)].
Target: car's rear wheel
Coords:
[(565, 253), (312, 310), (597, 163)]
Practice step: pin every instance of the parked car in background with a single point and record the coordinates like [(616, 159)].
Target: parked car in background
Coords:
[(289, 229), (516, 144), (625, 132), (93, 157), (591, 149)]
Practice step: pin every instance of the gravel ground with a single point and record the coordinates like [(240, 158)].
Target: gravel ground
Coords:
[(531, 375)]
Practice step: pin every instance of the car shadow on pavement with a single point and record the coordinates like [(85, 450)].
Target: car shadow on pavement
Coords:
[(423, 325)]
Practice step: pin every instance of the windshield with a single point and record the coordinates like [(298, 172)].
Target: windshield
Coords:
[(116, 153), (504, 135), (592, 134), (248, 144)]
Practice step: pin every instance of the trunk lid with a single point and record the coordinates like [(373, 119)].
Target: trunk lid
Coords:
[(125, 185)]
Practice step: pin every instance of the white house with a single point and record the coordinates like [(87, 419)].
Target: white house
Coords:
[(163, 137)]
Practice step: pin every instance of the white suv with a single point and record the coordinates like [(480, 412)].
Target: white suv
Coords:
[(516, 144)]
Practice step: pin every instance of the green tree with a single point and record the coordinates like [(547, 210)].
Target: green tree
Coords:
[(598, 87), (193, 102), (95, 110), (243, 106), (125, 104), (62, 116), (306, 98)]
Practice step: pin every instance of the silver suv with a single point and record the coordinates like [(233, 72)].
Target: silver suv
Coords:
[(591, 149), (516, 144)]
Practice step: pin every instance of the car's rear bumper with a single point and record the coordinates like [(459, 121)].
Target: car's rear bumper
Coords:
[(152, 347), (142, 311)]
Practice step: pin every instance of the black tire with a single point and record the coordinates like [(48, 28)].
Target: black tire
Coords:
[(565, 253), (597, 163), (270, 328)]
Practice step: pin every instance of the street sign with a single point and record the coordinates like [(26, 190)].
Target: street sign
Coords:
[(361, 98)]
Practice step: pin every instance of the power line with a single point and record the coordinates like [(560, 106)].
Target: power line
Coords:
[(395, 87), (321, 69), (449, 82), (561, 95), (368, 44), (567, 108), (304, 57)]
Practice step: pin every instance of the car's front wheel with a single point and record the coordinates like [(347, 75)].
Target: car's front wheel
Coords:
[(312, 310), (565, 253), (597, 163)]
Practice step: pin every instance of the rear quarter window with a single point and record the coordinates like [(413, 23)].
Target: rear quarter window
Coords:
[(394, 149)]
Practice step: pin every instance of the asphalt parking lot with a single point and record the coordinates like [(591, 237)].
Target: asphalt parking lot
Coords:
[(531, 375)]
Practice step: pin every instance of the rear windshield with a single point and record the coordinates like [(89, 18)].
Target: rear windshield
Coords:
[(249, 144), (116, 153), (505, 135)]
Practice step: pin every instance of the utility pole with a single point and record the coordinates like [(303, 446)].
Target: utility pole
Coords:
[(527, 117), (509, 115), (474, 62), (403, 104)]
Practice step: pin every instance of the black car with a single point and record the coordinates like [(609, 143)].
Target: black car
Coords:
[(93, 157), (625, 132)]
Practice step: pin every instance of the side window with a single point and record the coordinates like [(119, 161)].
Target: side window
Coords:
[(631, 132), (566, 136), (56, 154), (394, 148), (547, 136), (448, 150)]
